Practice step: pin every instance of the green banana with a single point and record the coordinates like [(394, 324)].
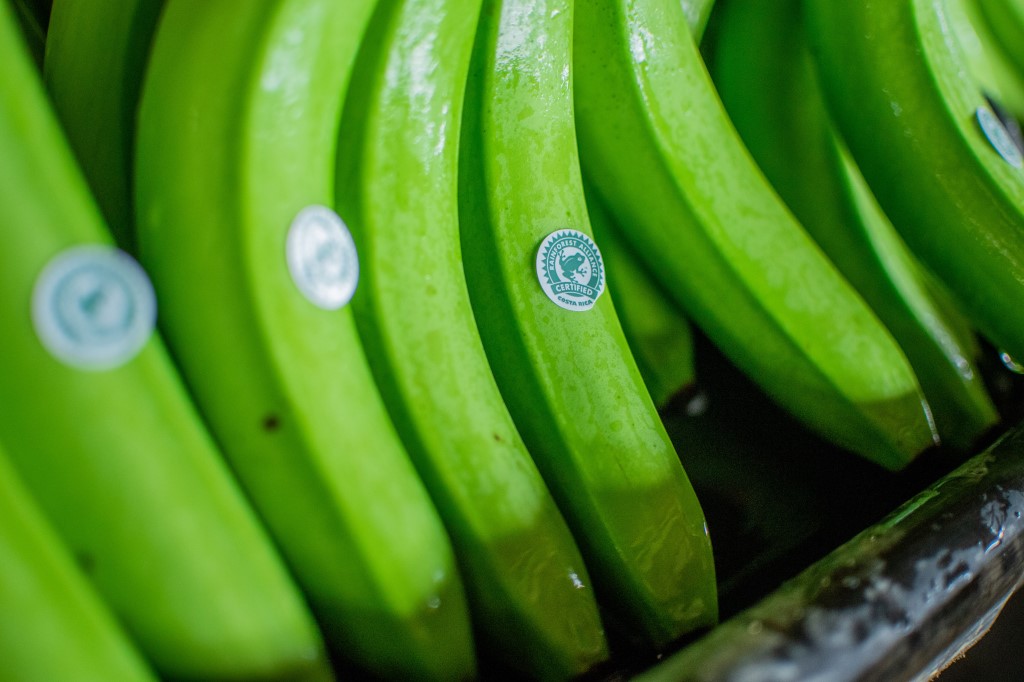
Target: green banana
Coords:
[(657, 142), (989, 64), (659, 336), (238, 126), (942, 167), (698, 12), (53, 625), (767, 83), (567, 375), (96, 57), (107, 441), (530, 593), (1005, 21)]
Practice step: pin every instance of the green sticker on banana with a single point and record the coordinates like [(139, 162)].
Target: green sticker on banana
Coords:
[(93, 307), (322, 257), (570, 270), (999, 137)]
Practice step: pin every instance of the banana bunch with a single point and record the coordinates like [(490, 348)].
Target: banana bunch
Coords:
[(425, 271), (98, 426), (938, 159), (785, 126), (557, 350), (234, 174), (527, 584)]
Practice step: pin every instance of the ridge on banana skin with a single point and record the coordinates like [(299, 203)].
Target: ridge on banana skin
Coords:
[(237, 139), (96, 55), (767, 83), (911, 114), (53, 625), (530, 594), (567, 376), (720, 240), (117, 457)]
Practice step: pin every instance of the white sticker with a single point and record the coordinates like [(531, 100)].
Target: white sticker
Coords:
[(322, 257), (93, 307), (999, 137), (570, 270)]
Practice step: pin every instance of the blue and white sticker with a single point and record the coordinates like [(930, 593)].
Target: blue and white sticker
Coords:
[(322, 257), (570, 270), (93, 307), (999, 137)]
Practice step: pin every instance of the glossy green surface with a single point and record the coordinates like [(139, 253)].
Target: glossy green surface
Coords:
[(53, 625), (567, 377), (768, 85), (237, 134), (531, 596), (119, 459), (907, 106), (657, 142), (96, 55)]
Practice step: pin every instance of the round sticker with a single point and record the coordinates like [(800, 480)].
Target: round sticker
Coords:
[(93, 307), (999, 137), (322, 257), (570, 269)]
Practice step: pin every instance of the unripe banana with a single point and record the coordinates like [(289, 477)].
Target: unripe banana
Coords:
[(96, 56), (532, 599), (53, 625), (657, 142), (989, 64), (1005, 21), (99, 428), (941, 165), (566, 374), (767, 83), (658, 333), (234, 175)]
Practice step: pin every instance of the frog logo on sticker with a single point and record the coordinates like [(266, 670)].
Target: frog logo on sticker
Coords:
[(570, 270), (93, 307)]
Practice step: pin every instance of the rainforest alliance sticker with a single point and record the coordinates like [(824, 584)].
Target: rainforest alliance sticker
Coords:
[(999, 137), (322, 257), (93, 307), (570, 269)]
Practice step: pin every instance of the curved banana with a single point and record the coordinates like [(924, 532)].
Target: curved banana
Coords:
[(698, 12), (528, 588), (767, 83), (659, 335), (101, 431), (989, 64), (942, 167), (235, 170), (657, 142), (53, 625), (1005, 20), (96, 55), (567, 375)]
